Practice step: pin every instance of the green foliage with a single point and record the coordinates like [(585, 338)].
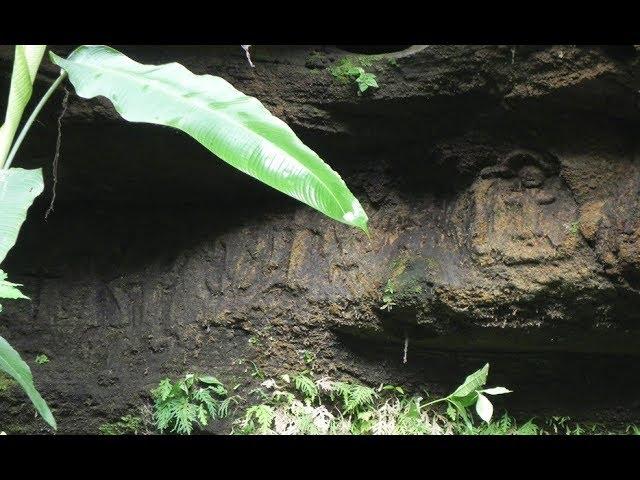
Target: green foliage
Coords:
[(191, 400), (42, 359), (233, 126), (306, 385), (355, 398), (126, 425), (9, 290), (506, 425), (391, 388), (558, 425), (388, 296), (258, 418), (11, 363), (18, 189), (350, 69), (257, 371), (365, 80), (294, 407), (305, 405), (308, 357), (468, 394), (26, 62)]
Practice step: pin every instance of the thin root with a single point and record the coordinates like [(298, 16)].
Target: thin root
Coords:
[(56, 157)]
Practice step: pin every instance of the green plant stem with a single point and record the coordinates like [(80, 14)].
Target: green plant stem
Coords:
[(30, 120), (435, 401)]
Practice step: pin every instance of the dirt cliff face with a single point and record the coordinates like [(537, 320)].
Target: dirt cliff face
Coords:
[(503, 190)]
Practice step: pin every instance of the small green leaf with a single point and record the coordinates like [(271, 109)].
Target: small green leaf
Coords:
[(365, 81), (484, 408), (42, 359), (209, 380)]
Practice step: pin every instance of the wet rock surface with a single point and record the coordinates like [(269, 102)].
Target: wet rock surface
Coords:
[(503, 190)]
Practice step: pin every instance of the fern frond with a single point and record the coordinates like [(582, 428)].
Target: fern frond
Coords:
[(360, 397), (223, 406), (263, 414), (306, 386), (203, 396), (185, 414), (219, 390), (528, 428), (341, 389), (162, 391), (162, 417), (202, 415)]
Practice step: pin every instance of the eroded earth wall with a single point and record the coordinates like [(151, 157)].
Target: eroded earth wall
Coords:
[(502, 185)]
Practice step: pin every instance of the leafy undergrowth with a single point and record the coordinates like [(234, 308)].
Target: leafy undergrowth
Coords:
[(305, 404), (352, 69), (192, 400)]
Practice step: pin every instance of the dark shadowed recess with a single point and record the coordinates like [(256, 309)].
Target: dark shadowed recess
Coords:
[(585, 386)]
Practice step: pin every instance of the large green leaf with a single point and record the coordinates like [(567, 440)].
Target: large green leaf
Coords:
[(472, 383), (235, 127), (11, 363), (18, 189), (26, 61)]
